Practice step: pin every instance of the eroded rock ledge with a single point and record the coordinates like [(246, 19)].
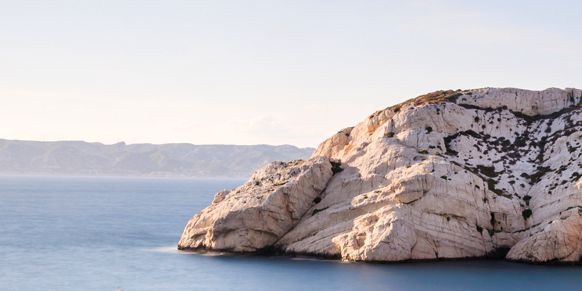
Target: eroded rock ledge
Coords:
[(255, 215), (450, 174)]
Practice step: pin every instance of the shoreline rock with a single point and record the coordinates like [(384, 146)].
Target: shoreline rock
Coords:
[(447, 175), (256, 214)]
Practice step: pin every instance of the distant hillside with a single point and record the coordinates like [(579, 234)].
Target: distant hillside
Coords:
[(181, 160)]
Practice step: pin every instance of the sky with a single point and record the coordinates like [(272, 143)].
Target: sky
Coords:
[(262, 72)]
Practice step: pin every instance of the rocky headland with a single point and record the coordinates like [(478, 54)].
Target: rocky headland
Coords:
[(452, 174)]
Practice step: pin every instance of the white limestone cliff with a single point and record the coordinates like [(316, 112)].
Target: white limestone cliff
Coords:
[(451, 174), (258, 213)]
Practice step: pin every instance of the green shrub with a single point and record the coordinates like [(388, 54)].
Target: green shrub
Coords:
[(336, 167), (527, 198), (526, 213)]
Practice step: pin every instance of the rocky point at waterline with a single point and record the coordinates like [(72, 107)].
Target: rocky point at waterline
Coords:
[(450, 174)]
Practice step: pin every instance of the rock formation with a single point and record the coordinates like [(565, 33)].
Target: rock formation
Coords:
[(258, 213), (450, 174)]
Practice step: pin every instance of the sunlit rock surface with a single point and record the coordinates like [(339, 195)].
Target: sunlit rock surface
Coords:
[(258, 213), (450, 174)]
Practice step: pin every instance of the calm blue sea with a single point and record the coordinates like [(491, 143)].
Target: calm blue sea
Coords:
[(109, 233)]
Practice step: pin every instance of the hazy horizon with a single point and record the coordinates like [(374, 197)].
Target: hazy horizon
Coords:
[(151, 143), (261, 72), (79, 158)]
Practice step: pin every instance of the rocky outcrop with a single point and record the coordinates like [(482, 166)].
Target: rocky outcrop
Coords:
[(258, 213), (451, 174)]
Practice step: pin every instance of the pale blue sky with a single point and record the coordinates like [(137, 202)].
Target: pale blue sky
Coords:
[(275, 72)]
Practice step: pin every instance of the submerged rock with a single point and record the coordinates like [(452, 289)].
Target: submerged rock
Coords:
[(451, 174)]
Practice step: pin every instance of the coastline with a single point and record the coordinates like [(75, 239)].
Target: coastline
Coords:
[(337, 258)]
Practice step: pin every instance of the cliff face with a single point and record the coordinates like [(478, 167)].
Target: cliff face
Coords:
[(451, 174), (255, 215)]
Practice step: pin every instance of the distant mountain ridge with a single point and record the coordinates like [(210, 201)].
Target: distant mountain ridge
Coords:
[(19, 157)]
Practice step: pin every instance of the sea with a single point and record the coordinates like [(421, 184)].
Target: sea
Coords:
[(108, 234)]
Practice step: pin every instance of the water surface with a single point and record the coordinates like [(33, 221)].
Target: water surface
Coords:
[(108, 233)]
